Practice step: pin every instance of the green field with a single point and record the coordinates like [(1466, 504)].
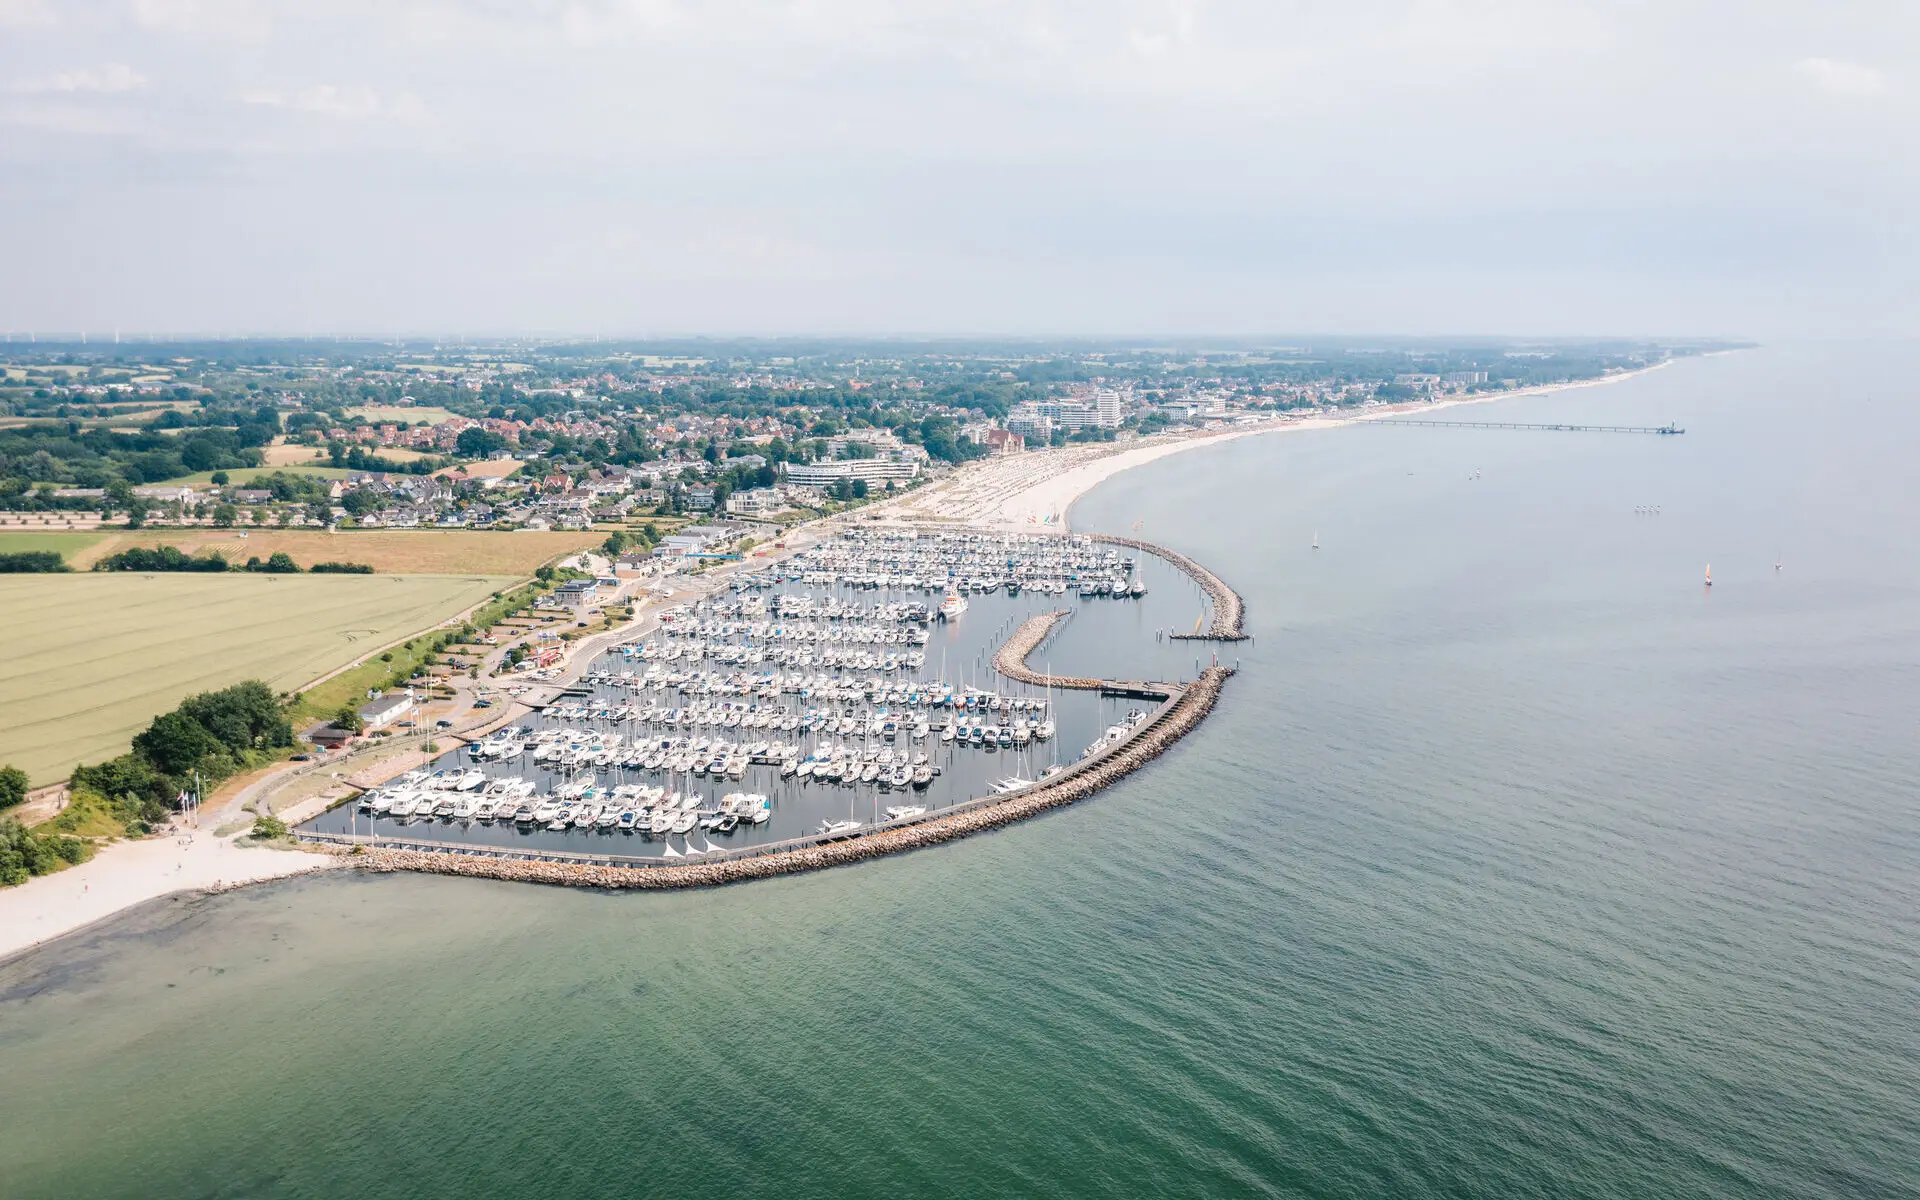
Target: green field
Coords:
[(67, 543), (92, 658)]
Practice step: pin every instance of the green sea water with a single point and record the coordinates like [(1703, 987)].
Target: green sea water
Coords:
[(1514, 863)]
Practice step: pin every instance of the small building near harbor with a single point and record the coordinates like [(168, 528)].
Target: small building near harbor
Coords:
[(378, 714)]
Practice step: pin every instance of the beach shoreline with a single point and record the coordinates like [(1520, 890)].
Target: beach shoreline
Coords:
[(129, 873), (1048, 502)]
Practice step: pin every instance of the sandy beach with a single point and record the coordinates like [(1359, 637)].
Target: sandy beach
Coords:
[(1035, 490), (124, 874)]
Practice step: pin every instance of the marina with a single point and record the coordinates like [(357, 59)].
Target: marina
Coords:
[(872, 682)]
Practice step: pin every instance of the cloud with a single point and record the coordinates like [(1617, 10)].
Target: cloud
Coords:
[(26, 14), (332, 100), (106, 80), (1841, 77), (220, 18)]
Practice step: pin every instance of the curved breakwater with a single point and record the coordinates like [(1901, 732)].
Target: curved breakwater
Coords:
[(1173, 722), (1228, 611), (1011, 659)]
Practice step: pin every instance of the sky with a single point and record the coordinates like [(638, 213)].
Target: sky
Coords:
[(1738, 168)]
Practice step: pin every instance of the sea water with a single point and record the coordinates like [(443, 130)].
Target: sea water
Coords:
[(1515, 862)]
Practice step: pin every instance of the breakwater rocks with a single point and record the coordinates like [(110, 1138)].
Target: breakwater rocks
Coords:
[(1167, 727), (1228, 611), (1011, 659)]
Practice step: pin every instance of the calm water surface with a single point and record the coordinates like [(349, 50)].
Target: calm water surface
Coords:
[(1515, 863)]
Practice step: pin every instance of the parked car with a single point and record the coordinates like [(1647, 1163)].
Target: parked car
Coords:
[(302, 758), (443, 724)]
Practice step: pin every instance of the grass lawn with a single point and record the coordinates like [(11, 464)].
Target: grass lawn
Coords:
[(93, 658), (394, 551), (381, 414), (68, 543)]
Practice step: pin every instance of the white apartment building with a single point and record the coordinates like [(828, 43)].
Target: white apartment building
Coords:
[(826, 474)]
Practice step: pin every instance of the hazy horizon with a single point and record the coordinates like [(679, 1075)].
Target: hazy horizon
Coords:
[(854, 168)]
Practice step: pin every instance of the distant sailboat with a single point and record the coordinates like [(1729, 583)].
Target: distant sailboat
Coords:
[(1709, 574), (1316, 539)]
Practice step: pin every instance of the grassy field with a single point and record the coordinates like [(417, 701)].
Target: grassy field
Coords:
[(92, 658), (67, 543), (394, 551), (380, 413)]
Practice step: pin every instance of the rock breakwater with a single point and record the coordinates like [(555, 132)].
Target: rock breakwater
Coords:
[(1173, 722), (1011, 659), (1228, 611)]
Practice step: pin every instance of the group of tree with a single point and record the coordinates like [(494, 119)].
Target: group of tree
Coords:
[(25, 852), (38, 459), (171, 558), (213, 734), (33, 562), (161, 558), (13, 787), (622, 540)]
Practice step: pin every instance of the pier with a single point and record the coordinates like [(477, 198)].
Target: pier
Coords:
[(1667, 430)]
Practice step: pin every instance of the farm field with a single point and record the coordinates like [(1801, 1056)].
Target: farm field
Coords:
[(67, 543), (93, 658), (378, 413), (497, 468), (238, 476), (312, 461), (393, 551)]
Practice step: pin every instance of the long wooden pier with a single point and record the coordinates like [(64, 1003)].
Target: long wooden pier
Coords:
[(1667, 430)]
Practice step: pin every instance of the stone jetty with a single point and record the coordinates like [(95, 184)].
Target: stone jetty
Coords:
[(1227, 609), (1011, 659), (1195, 701)]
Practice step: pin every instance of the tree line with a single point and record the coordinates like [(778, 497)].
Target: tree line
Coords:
[(158, 559), (33, 562)]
